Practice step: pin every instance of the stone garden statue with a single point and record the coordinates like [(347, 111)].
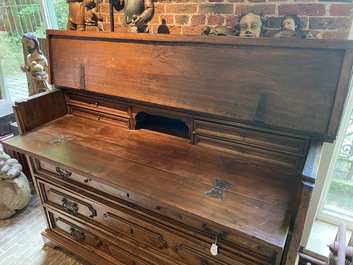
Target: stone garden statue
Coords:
[(15, 192), (36, 65)]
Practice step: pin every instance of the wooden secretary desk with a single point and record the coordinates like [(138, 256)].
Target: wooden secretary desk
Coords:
[(166, 149)]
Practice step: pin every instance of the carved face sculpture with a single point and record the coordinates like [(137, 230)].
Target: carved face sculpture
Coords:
[(289, 23), (29, 44), (250, 26), (30, 41)]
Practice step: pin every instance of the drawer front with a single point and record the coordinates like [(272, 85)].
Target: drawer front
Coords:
[(123, 252), (156, 227), (292, 144), (98, 109), (135, 227), (69, 176), (118, 222), (101, 116), (264, 147), (252, 153)]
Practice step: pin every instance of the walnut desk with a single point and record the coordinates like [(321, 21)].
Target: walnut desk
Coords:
[(155, 148)]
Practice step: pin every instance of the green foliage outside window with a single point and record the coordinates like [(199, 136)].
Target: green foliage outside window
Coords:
[(61, 10), (19, 17)]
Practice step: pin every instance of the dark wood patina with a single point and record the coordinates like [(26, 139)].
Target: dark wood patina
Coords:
[(153, 148)]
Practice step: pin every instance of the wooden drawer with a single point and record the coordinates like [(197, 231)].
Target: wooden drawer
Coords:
[(140, 229), (294, 144), (115, 250), (252, 153), (97, 109), (265, 147), (171, 233), (69, 176)]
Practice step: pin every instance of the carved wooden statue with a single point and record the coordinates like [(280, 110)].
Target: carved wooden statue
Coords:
[(84, 16), (291, 27), (218, 31), (76, 18), (252, 25), (136, 13), (36, 65)]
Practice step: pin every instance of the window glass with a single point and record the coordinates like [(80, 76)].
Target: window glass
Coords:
[(19, 17), (339, 201), (61, 11)]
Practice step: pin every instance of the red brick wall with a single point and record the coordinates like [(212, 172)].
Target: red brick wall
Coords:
[(324, 19)]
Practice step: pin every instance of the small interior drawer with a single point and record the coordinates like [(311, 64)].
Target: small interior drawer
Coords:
[(252, 153), (294, 144), (101, 116), (97, 109)]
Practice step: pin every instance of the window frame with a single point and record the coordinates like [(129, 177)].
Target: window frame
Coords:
[(327, 163), (48, 14)]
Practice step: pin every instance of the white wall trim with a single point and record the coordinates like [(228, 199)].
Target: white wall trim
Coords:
[(48, 14)]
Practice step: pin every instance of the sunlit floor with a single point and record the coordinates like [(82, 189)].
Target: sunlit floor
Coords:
[(321, 235)]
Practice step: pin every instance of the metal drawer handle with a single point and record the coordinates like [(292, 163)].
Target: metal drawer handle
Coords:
[(93, 211), (80, 236), (70, 207), (204, 261), (211, 234), (77, 234), (64, 174)]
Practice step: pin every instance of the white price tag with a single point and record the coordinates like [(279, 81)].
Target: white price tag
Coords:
[(214, 249)]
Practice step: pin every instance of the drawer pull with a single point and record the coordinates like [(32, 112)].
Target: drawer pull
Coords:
[(211, 234), (70, 207), (164, 243), (192, 255), (93, 211), (77, 234), (63, 173), (204, 261), (80, 236)]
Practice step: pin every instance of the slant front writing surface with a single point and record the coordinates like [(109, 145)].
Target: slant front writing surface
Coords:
[(223, 164), (295, 86)]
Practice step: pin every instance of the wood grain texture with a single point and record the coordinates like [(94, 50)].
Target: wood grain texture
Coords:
[(146, 125), (216, 77)]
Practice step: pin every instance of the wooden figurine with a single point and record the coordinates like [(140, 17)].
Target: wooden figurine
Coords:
[(76, 18), (93, 20), (252, 25), (83, 16), (36, 65), (291, 27), (219, 31)]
